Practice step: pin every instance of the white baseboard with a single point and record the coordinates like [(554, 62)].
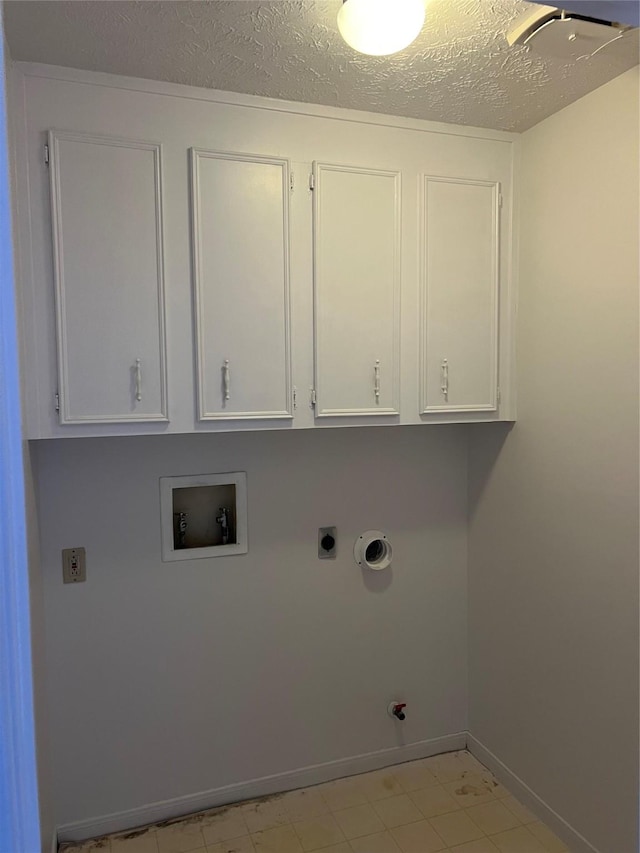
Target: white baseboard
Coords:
[(577, 843), (301, 778)]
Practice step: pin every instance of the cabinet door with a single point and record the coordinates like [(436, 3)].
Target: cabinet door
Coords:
[(357, 290), (107, 247), (240, 222), (460, 295)]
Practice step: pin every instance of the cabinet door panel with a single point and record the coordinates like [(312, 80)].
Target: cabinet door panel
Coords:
[(107, 245), (460, 295), (241, 256), (357, 290)]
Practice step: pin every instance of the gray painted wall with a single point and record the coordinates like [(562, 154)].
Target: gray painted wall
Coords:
[(168, 679), (38, 659), (553, 538)]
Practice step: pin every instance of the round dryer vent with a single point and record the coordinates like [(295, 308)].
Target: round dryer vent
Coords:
[(372, 550)]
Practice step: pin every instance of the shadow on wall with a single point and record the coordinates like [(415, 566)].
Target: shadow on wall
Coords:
[(488, 441)]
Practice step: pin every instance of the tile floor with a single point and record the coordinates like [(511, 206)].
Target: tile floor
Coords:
[(446, 803)]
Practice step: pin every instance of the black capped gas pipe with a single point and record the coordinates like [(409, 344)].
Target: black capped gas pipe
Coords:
[(396, 710)]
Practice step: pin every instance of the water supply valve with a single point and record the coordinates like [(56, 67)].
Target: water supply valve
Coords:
[(396, 710)]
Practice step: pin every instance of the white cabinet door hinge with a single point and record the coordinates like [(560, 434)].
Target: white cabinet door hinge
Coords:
[(291, 181), (499, 199), (46, 154), (312, 397), (312, 181), (56, 401), (499, 396), (295, 398)]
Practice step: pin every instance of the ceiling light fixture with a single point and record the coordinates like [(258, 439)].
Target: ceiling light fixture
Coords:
[(380, 27)]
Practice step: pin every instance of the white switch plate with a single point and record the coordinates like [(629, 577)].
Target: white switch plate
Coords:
[(74, 565)]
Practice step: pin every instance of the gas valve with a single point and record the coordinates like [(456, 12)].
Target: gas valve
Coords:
[(396, 710)]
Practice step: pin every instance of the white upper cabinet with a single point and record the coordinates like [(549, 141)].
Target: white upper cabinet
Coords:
[(240, 222), (459, 315), (108, 264), (320, 267), (357, 290)]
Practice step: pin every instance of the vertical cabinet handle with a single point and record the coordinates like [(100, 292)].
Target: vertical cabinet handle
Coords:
[(376, 382), (445, 379), (138, 380), (225, 380)]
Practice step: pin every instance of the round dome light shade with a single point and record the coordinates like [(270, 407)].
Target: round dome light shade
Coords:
[(380, 27)]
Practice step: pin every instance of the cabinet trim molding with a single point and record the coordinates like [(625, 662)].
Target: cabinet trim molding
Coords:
[(54, 138), (195, 155), (394, 409), (492, 404), (256, 102)]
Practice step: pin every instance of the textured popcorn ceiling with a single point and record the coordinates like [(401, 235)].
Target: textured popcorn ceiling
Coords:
[(460, 69)]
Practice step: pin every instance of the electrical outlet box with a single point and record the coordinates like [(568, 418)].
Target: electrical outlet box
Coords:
[(327, 543), (74, 565)]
